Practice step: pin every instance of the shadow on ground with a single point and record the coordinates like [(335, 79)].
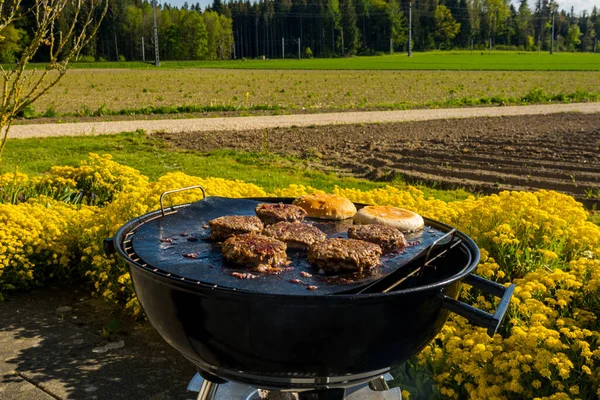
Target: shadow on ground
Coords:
[(52, 346)]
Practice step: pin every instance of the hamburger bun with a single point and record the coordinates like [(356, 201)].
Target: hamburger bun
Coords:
[(404, 220), (326, 206)]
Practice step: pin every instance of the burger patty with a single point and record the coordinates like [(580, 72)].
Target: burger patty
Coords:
[(273, 213), (335, 255), (390, 239), (294, 234), (224, 227), (255, 251)]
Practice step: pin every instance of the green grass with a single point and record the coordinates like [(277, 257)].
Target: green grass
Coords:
[(595, 217), (154, 158), (455, 60)]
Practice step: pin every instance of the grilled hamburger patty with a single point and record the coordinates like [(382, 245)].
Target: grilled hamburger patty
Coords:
[(255, 251), (294, 234), (223, 227), (335, 255), (387, 237), (273, 213)]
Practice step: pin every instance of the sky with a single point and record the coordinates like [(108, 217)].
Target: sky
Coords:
[(579, 5)]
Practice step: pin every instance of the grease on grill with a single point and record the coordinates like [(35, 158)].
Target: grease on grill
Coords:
[(244, 275)]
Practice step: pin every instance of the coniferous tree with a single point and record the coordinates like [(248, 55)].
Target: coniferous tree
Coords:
[(463, 39), (525, 35), (349, 27)]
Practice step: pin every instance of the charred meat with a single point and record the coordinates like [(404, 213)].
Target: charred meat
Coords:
[(294, 234), (338, 255), (255, 251), (273, 213), (224, 227), (390, 239)]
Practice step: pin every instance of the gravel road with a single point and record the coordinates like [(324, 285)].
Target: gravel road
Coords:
[(261, 122)]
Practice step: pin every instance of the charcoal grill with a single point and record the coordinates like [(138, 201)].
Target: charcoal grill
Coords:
[(272, 334)]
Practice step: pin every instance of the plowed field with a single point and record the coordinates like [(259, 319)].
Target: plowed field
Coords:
[(557, 152)]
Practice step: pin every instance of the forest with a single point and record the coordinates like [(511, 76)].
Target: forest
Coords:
[(322, 28)]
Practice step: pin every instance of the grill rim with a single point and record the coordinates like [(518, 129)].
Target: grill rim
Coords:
[(127, 230)]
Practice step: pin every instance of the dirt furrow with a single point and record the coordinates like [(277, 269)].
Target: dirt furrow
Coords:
[(558, 152), (492, 160)]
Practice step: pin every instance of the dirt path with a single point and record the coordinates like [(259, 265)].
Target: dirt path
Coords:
[(245, 123), (558, 152)]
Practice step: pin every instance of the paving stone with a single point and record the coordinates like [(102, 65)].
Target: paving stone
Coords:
[(14, 387)]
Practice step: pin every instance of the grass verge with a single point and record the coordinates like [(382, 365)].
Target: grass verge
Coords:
[(154, 158), (434, 60)]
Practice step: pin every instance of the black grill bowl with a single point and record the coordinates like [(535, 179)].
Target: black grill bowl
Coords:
[(303, 341)]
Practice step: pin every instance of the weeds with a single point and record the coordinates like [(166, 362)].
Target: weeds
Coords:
[(592, 193), (14, 192)]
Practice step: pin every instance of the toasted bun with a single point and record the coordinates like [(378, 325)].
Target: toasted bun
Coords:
[(326, 206), (406, 221)]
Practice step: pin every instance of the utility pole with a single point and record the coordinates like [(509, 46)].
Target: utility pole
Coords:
[(156, 55), (283, 47), (116, 44), (410, 29), (143, 51), (333, 35), (552, 38), (298, 41), (256, 31)]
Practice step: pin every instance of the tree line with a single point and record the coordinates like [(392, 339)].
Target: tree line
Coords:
[(324, 28)]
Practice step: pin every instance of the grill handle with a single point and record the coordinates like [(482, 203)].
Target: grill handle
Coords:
[(162, 196), (109, 246), (476, 316)]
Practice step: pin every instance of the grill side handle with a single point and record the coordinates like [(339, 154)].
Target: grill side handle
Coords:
[(109, 246), (476, 316)]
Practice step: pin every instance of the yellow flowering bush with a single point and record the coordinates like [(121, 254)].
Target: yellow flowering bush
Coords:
[(36, 240), (548, 347), (98, 178)]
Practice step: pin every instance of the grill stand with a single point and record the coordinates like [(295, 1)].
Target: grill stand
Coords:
[(377, 389), (208, 390)]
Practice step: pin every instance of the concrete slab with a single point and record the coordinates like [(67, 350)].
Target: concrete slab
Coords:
[(54, 339), (14, 387)]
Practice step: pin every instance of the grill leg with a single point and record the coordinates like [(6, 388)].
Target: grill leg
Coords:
[(379, 384), (208, 390)]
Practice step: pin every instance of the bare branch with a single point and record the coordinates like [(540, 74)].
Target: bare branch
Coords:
[(21, 88)]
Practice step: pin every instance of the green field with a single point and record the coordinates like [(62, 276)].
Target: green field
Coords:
[(456, 60)]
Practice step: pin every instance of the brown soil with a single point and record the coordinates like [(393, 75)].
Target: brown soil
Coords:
[(557, 152)]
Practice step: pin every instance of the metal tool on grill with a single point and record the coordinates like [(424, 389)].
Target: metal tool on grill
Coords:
[(268, 333)]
